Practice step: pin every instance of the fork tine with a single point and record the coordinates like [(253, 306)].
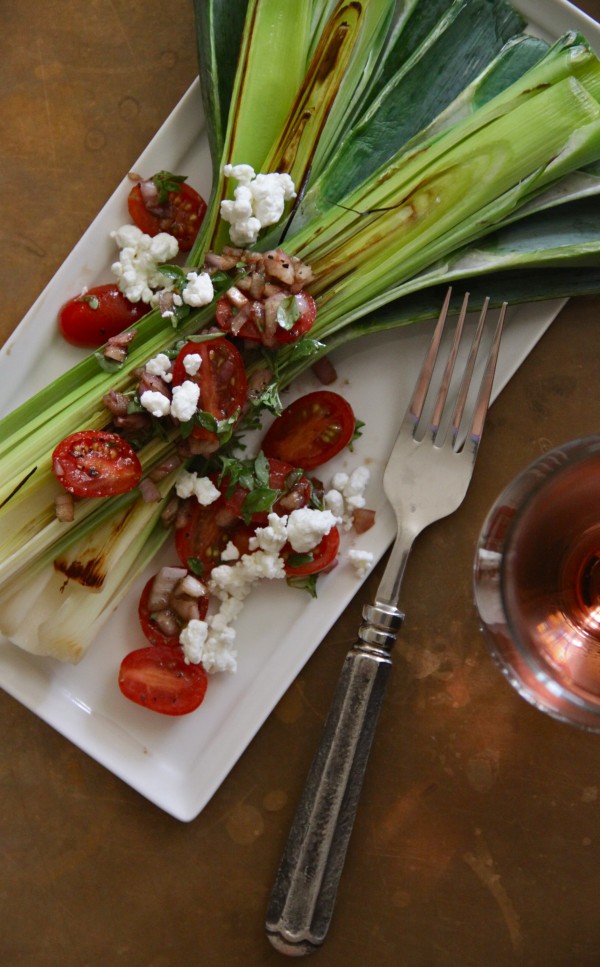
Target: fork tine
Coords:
[(468, 373), (415, 407), (485, 390), (449, 368), (305, 888)]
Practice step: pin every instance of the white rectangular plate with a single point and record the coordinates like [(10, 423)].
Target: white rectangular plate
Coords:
[(178, 764)]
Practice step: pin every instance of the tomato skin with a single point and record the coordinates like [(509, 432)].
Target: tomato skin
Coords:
[(302, 325), (322, 556), (159, 678), (205, 533), (83, 325), (311, 430), (221, 378), (95, 463), (279, 473), (250, 329), (151, 630), (180, 216)]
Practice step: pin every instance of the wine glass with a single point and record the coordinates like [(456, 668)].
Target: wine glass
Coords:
[(537, 582)]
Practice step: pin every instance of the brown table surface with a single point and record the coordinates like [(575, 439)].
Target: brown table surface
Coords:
[(477, 839)]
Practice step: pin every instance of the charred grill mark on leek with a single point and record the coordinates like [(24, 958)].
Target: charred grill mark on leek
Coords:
[(313, 105), (18, 487), (368, 222)]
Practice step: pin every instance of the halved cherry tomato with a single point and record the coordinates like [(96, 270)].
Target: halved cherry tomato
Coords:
[(95, 463), (151, 630), (205, 533), (181, 214), (221, 378), (297, 491), (311, 430), (251, 328), (160, 679), (91, 318), (300, 565)]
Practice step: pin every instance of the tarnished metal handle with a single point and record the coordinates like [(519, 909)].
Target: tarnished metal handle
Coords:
[(303, 896)]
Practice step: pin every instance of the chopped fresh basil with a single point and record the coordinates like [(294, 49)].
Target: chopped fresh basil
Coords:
[(297, 560), (108, 365), (207, 421), (166, 182), (259, 500), (288, 313), (305, 347), (307, 583), (92, 300), (134, 406), (262, 469), (270, 400), (358, 428), (175, 273)]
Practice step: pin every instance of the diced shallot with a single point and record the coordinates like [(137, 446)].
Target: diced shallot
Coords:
[(271, 306), (154, 383), (292, 500), (65, 508), (116, 353), (190, 586), (324, 370), (122, 339), (170, 512), (363, 519), (165, 302), (185, 608), (116, 347), (236, 297), (117, 403), (167, 622), (149, 491), (165, 468), (163, 585), (278, 266), (149, 194), (258, 382)]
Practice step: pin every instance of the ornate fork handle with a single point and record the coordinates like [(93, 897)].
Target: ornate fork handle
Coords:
[(303, 896)]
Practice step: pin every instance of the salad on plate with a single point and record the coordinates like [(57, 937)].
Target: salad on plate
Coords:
[(344, 210)]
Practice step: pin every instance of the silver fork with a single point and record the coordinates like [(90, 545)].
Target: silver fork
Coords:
[(426, 478)]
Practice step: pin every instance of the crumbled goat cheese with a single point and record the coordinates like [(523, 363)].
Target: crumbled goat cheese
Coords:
[(192, 363), (185, 400), (160, 366), (339, 480), (354, 491), (127, 236), (192, 640), (202, 488), (272, 537), (231, 584), (333, 500), (230, 552), (199, 289), (137, 269), (209, 642), (362, 561), (347, 494), (307, 527), (212, 641), (258, 201), (156, 403)]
